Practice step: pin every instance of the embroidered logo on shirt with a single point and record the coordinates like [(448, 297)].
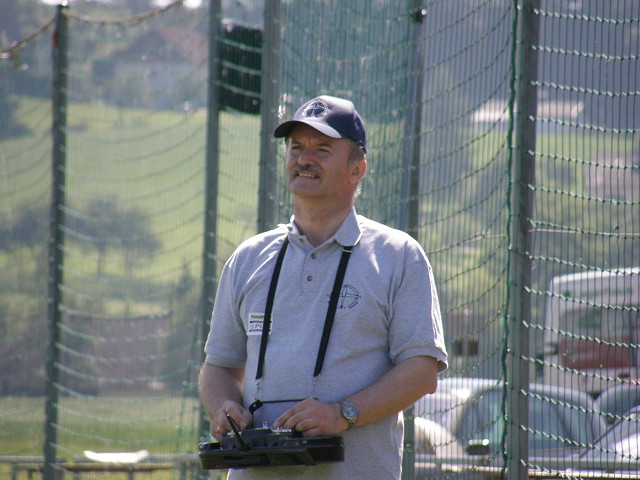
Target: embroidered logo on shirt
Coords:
[(349, 297)]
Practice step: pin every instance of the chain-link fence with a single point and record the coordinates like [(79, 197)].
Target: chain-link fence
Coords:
[(136, 153)]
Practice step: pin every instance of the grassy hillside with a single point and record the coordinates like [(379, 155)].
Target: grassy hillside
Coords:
[(153, 161)]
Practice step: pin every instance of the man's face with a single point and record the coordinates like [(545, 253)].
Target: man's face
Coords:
[(318, 167)]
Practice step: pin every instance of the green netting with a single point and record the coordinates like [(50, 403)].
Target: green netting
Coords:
[(510, 173)]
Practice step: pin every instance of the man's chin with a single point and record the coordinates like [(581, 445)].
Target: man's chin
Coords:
[(304, 185)]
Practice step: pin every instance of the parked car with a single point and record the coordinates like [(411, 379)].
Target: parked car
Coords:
[(439, 455), (561, 421), (435, 448), (617, 400), (617, 451), (433, 439)]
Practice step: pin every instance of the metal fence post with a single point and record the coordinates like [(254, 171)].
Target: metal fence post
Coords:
[(523, 175), (409, 200), (212, 167), (409, 211), (56, 236), (269, 101)]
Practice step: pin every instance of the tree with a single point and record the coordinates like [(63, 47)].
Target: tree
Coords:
[(23, 301), (178, 369), (106, 225), (8, 105)]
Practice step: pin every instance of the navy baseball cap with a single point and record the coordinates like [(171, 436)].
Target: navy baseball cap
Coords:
[(335, 117)]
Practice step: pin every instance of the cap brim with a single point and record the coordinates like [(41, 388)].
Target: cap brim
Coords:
[(284, 129)]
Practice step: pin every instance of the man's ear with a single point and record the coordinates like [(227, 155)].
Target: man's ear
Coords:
[(358, 169)]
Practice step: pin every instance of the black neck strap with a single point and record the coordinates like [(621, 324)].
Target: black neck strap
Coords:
[(331, 309)]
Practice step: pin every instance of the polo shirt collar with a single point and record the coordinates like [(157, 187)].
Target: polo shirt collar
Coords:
[(348, 234)]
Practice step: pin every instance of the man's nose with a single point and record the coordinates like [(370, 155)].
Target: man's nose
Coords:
[(305, 157)]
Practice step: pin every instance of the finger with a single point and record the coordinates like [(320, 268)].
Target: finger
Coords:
[(281, 421), (216, 431), (246, 419), (303, 421), (219, 423), (240, 415), (220, 428), (293, 415), (313, 432), (302, 424)]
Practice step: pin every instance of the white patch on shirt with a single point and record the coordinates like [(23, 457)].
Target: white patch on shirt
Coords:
[(256, 321)]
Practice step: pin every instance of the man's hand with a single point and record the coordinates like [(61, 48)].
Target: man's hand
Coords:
[(313, 418), (220, 425), (396, 390), (221, 394)]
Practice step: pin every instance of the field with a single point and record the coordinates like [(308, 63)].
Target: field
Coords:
[(150, 160), (101, 425), (160, 425)]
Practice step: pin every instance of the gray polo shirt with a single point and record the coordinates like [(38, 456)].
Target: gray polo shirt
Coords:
[(388, 312)]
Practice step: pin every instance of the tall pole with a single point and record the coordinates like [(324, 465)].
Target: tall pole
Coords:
[(56, 237), (409, 204), (212, 168), (523, 175), (409, 201), (269, 103)]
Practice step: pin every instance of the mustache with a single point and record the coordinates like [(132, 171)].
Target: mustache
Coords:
[(305, 169)]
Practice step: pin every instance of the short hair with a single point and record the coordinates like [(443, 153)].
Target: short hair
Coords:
[(356, 153)]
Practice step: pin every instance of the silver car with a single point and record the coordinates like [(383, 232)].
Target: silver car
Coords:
[(617, 400), (561, 421), (618, 450)]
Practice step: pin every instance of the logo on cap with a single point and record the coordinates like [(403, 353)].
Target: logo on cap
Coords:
[(316, 109)]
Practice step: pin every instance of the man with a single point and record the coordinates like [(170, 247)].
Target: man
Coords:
[(385, 346)]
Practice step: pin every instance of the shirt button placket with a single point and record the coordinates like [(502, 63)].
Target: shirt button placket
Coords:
[(313, 256)]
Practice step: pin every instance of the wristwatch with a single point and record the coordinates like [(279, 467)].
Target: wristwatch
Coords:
[(349, 412)]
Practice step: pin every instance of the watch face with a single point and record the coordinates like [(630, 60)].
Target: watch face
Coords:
[(350, 411)]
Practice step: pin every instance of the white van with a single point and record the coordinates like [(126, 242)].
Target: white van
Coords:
[(592, 330)]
